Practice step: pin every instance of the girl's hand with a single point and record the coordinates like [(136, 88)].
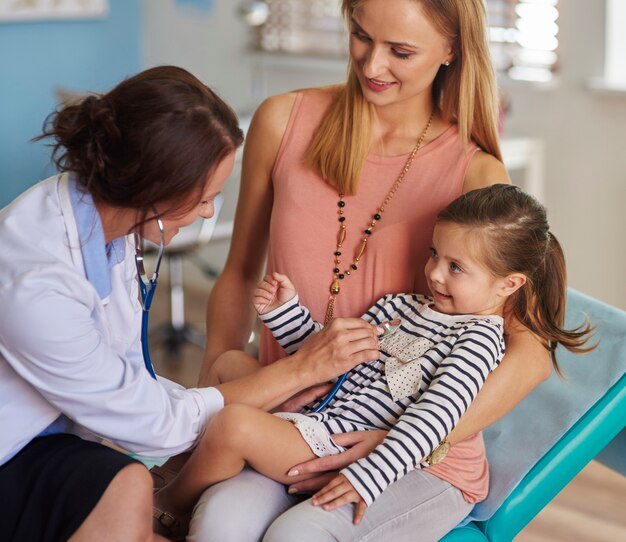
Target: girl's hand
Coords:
[(275, 290), (359, 444), (337, 493)]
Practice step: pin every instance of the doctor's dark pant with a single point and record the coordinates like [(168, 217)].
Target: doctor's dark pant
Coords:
[(50, 487)]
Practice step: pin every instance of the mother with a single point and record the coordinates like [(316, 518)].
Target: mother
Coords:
[(340, 188)]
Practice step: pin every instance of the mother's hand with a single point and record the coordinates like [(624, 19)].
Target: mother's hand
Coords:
[(324, 469)]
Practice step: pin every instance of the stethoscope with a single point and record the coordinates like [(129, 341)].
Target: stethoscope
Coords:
[(388, 329), (147, 290)]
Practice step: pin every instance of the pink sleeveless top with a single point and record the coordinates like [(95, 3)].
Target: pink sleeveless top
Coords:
[(303, 233)]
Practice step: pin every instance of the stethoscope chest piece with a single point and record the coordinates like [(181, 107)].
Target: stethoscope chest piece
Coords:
[(389, 327)]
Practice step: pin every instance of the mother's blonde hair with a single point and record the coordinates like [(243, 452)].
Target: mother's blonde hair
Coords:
[(464, 93)]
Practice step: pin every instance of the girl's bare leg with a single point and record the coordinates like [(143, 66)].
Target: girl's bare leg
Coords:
[(228, 366), (235, 436)]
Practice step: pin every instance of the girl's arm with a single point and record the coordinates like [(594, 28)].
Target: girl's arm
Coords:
[(456, 382), (229, 312), (290, 324)]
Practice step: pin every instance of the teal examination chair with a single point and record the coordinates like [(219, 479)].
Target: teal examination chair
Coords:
[(561, 426)]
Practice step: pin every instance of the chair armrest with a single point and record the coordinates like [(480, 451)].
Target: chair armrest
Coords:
[(592, 432), (466, 533)]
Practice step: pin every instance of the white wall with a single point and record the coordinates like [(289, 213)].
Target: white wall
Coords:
[(584, 131), (209, 42), (585, 137)]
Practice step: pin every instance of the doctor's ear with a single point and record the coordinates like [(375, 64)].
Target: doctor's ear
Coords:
[(511, 283)]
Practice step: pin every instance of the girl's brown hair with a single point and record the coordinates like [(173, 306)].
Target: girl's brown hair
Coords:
[(515, 237), (152, 139), (464, 93)]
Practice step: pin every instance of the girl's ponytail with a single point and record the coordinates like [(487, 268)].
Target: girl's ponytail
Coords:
[(544, 314)]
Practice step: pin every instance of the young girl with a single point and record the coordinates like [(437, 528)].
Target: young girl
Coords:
[(491, 252)]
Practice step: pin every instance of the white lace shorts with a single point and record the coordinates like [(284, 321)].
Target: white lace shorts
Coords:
[(314, 434)]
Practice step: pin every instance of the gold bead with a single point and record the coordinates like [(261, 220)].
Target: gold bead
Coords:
[(361, 249), (334, 287)]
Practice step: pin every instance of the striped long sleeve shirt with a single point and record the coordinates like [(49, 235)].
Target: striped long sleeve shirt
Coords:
[(464, 349)]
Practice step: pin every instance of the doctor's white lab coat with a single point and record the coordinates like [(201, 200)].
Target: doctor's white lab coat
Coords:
[(65, 350)]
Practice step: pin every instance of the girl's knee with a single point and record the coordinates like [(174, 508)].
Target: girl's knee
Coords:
[(231, 426)]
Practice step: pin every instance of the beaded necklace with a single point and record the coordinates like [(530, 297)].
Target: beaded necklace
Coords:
[(338, 275)]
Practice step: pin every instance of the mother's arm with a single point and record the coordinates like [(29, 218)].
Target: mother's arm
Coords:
[(229, 311), (526, 364)]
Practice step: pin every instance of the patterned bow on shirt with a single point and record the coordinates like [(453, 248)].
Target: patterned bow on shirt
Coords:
[(403, 368)]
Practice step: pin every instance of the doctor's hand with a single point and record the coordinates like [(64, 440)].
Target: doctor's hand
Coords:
[(336, 493), (337, 348), (358, 444)]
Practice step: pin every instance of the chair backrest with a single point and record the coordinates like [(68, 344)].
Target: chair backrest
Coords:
[(547, 439)]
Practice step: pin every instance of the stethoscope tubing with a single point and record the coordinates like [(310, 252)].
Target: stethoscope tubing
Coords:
[(146, 291), (331, 393)]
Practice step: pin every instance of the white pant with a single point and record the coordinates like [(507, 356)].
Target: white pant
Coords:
[(250, 507)]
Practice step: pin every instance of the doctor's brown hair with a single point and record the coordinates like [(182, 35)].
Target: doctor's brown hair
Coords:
[(152, 139), (513, 235)]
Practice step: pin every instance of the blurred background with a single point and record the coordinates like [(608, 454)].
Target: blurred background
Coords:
[(561, 67), (562, 74)]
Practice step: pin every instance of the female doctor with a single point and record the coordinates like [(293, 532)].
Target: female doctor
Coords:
[(139, 162)]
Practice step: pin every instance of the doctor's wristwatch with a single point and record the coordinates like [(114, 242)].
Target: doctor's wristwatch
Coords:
[(439, 453)]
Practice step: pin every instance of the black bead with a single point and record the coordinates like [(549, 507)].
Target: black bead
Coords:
[(342, 218), (376, 216), (341, 203), (336, 270), (353, 267), (337, 253), (340, 275), (368, 231)]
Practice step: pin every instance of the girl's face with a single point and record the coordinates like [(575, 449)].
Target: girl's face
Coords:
[(204, 208), (457, 278), (395, 50)]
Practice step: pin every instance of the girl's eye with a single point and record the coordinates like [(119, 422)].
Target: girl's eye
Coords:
[(455, 268), (400, 55), (433, 253)]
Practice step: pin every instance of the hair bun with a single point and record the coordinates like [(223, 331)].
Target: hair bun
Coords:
[(103, 133)]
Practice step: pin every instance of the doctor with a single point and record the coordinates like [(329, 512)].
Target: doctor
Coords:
[(146, 159)]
